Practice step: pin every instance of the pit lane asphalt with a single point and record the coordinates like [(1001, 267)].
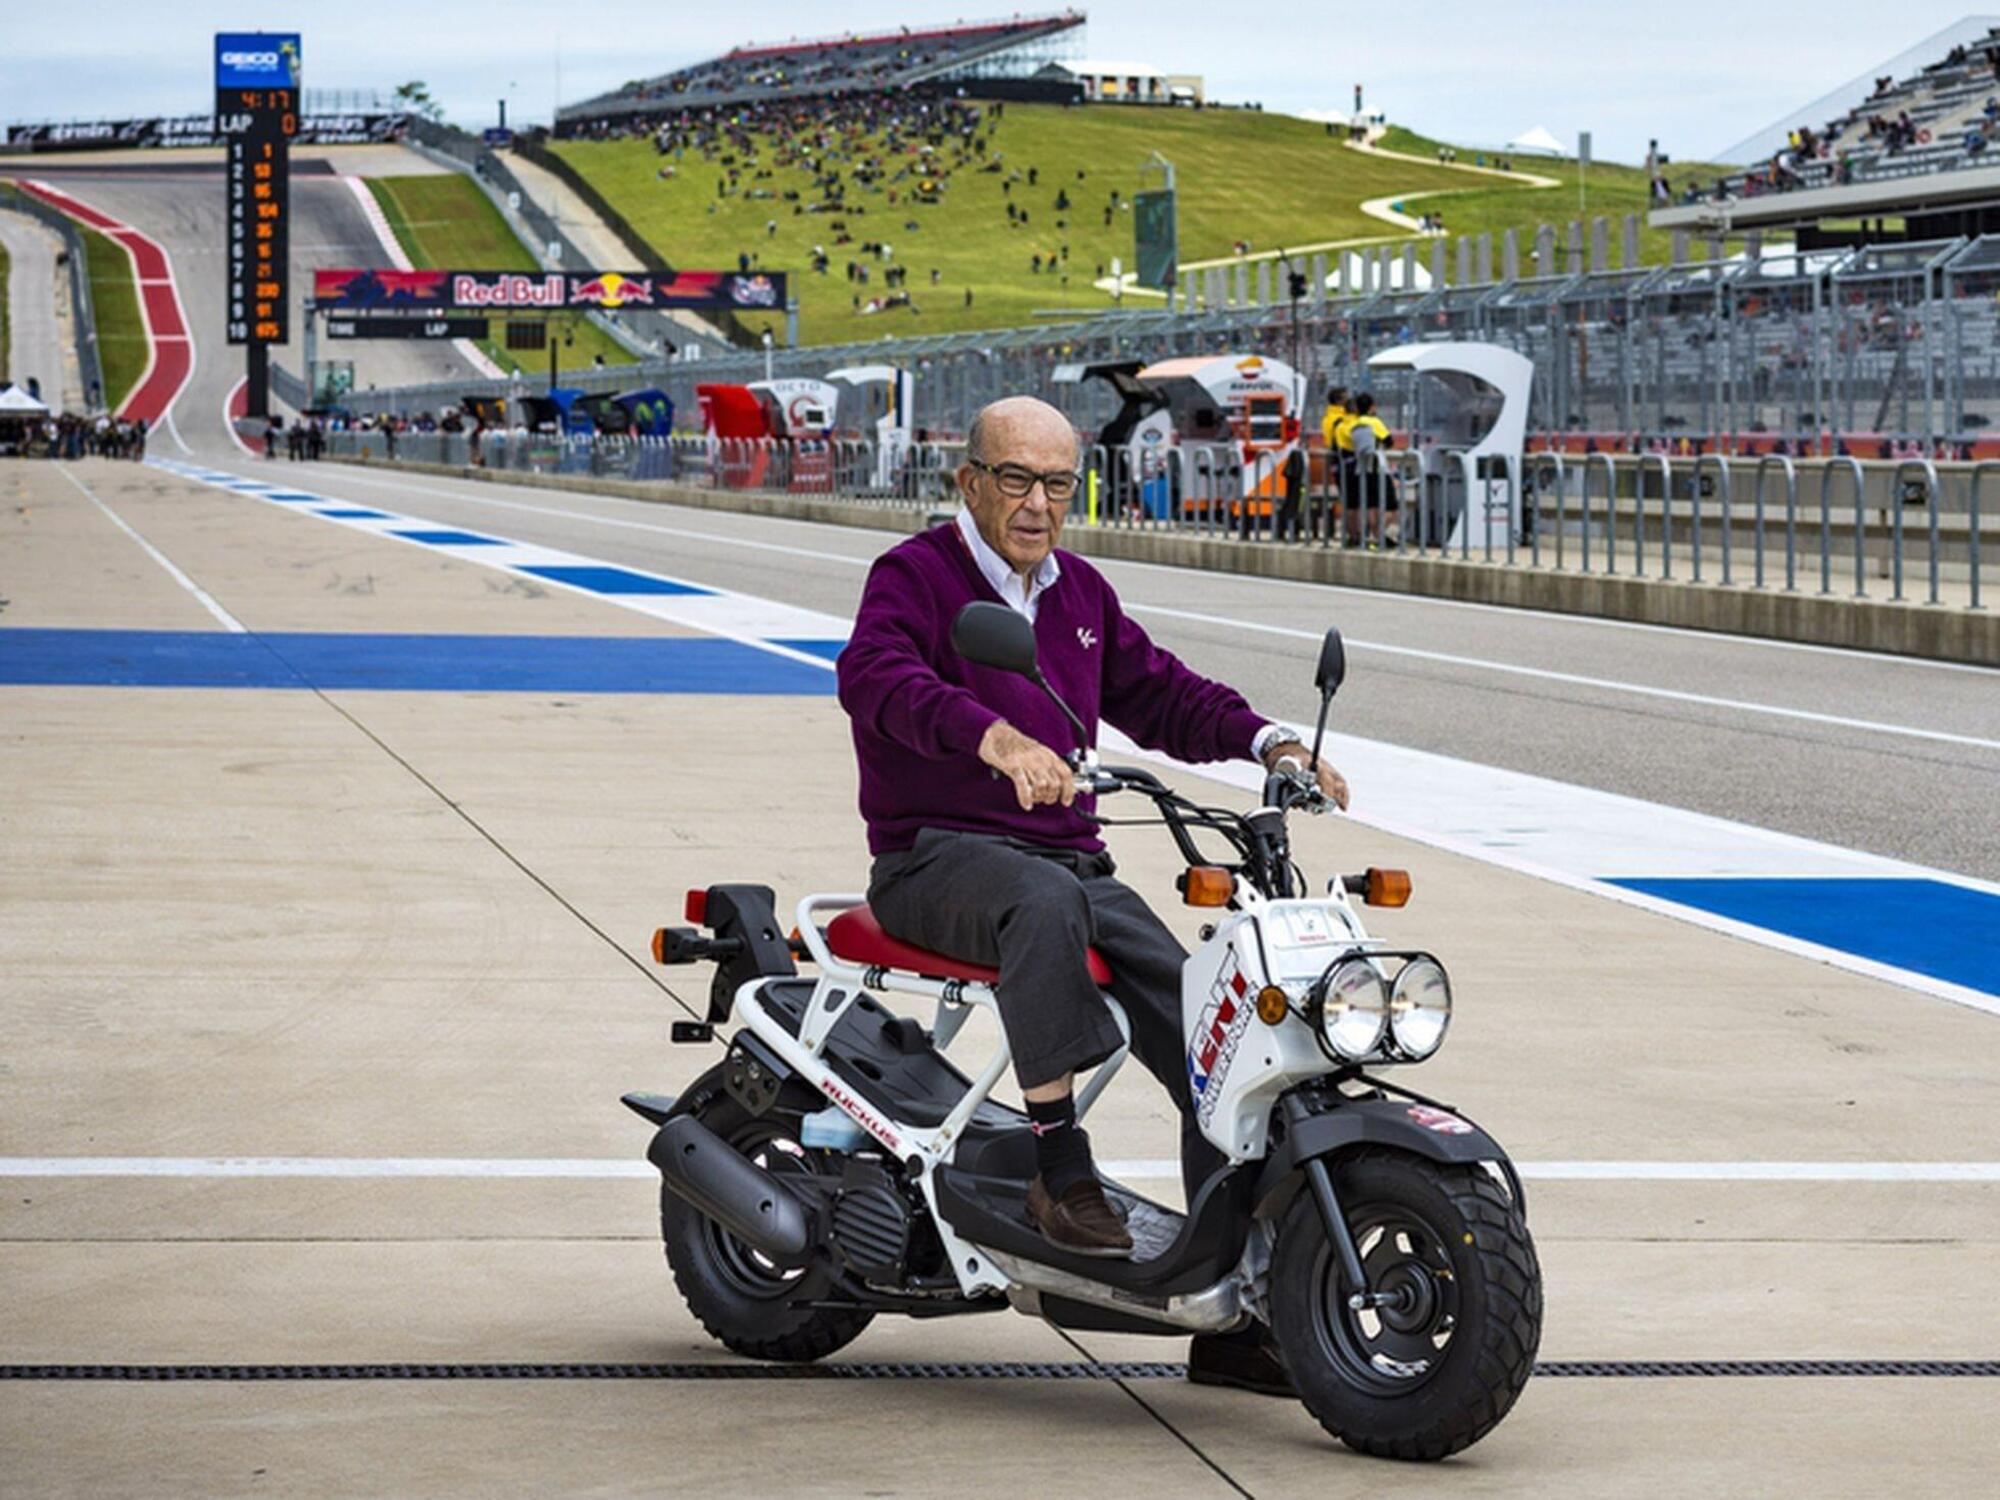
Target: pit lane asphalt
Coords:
[(1904, 796)]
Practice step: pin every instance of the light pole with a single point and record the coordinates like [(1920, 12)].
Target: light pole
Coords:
[(767, 354)]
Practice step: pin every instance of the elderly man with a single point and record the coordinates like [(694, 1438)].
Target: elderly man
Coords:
[(980, 850)]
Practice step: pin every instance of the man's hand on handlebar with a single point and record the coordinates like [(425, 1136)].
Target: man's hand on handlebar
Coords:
[(1038, 773), (1332, 785)]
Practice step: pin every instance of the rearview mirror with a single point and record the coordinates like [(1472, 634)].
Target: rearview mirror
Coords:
[(995, 636), (1332, 663)]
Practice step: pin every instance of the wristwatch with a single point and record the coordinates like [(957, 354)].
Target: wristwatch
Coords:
[(1270, 735)]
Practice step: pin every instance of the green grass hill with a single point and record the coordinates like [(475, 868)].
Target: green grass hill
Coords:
[(1271, 180), (122, 350), (443, 220)]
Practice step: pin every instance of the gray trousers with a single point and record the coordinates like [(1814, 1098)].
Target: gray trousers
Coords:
[(1031, 911)]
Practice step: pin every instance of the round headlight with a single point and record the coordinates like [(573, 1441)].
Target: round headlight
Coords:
[(1356, 1010), (1419, 1008)]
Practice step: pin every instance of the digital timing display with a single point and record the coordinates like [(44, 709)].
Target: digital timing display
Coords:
[(256, 114)]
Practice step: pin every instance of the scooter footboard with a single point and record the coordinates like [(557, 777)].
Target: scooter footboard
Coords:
[(1404, 1124)]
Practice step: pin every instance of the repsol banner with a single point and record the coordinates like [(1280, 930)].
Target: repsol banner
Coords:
[(193, 130), (541, 291)]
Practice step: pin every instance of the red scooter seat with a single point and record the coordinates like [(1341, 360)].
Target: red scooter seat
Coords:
[(858, 938)]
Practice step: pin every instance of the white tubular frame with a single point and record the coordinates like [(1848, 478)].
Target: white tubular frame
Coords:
[(921, 1150)]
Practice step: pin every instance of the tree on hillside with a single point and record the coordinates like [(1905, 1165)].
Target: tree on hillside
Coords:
[(415, 97)]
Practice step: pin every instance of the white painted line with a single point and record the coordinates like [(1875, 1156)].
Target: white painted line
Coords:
[(816, 554), (585, 1168), (1572, 679), (1487, 814), (1376, 596), (1763, 1171), (1574, 836), (202, 596), (228, 425), (742, 618), (318, 1166)]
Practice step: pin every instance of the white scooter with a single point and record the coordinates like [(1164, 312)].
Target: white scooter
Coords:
[(835, 1165)]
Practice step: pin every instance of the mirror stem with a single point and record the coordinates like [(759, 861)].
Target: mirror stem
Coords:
[(1082, 734), (1319, 733)]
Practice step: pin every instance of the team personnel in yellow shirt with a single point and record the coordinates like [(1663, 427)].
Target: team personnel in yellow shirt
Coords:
[(1337, 459), (1363, 436), (1336, 413)]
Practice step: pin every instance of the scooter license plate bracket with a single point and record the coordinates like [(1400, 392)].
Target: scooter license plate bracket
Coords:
[(752, 1075)]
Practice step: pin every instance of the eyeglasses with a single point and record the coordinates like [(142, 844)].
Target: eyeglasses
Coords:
[(1017, 482)]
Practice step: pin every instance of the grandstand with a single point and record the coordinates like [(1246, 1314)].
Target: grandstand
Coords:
[(1923, 147), (882, 61)]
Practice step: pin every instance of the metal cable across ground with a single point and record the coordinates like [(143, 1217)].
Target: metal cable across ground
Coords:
[(1572, 1369)]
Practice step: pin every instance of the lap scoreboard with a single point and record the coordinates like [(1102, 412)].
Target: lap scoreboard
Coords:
[(257, 109)]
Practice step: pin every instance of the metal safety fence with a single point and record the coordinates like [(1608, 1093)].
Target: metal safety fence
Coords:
[(1880, 351), (1908, 530)]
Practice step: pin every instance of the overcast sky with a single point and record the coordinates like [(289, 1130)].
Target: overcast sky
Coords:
[(1700, 75)]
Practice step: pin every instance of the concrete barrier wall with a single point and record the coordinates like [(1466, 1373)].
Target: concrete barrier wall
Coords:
[(1941, 632)]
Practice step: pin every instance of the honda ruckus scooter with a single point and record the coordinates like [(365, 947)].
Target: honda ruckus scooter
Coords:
[(836, 1165)]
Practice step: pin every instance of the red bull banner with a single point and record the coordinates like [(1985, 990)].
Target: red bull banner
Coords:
[(545, 291)]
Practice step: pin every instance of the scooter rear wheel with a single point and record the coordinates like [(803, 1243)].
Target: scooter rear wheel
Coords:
[(748, 1304), (1433, 1371)]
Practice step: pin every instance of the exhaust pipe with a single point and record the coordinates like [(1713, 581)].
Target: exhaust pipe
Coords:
[(701, 1169)]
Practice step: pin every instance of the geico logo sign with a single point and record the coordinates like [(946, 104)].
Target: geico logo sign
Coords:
[(250, 59)]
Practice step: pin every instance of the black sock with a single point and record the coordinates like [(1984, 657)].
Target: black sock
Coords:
[(1062, 1147)]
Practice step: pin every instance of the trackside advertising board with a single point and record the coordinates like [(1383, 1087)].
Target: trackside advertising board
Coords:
[(349, 290)]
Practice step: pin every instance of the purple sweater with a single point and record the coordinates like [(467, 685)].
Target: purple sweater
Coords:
[(919, 709)]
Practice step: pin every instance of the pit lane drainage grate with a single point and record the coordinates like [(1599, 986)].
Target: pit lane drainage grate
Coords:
[(1629, 1369)]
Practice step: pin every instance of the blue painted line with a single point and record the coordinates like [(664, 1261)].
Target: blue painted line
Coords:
[(402, 663), (447, 538), (1949, 932), (828, 649), (353, 515), (603, 580)]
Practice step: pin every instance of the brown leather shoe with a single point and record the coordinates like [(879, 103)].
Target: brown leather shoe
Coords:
[(1081, 1221)]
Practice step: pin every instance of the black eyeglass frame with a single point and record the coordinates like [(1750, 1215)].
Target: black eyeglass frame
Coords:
[(1034, 478)]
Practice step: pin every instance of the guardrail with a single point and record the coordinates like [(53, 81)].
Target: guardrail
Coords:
[(1651, 516), (90, 374)]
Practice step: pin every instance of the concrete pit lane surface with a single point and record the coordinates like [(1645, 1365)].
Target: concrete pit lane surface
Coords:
[(341, 806)]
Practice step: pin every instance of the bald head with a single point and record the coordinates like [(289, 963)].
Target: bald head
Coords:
[(1022, 433), (1018, 422)]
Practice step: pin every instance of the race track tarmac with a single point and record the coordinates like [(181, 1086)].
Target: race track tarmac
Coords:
[(331, 858)]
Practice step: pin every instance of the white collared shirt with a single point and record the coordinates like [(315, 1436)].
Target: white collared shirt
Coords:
[(1007, 584), (1016, 595)]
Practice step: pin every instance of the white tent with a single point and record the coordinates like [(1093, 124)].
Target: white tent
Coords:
[(1537, 139), (15, 402)]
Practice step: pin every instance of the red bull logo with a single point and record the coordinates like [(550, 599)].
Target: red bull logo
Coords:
[(612, 289), (488, 289), (753, 291)]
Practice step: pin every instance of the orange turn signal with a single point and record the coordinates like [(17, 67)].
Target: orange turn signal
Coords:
[(1207, 885), (659, 945), (1387, 887), (1272, 1003)]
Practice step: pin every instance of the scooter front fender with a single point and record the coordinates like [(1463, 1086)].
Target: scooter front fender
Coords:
[(1403, 1124)]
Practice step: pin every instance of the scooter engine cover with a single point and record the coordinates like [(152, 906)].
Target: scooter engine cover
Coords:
[(871, 1225)]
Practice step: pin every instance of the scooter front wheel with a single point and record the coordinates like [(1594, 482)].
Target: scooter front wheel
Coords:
[(1432, 1369)]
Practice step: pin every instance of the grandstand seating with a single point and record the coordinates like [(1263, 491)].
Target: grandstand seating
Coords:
[(1942, 103), (885, 60)]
